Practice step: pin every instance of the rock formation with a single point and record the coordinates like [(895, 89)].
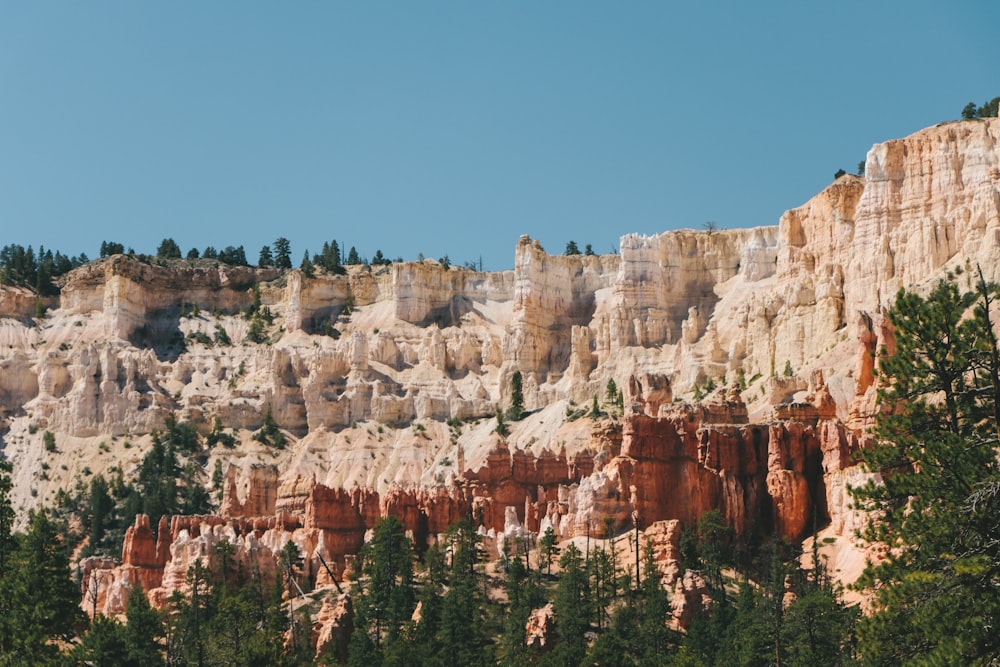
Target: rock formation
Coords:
[(386, 380)]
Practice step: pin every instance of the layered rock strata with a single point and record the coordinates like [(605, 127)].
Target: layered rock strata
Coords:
[(386, 380)]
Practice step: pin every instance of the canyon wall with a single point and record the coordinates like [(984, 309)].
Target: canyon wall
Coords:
[(386, 380)]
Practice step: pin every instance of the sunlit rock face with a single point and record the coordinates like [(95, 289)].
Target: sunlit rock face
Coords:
[(743, 364)]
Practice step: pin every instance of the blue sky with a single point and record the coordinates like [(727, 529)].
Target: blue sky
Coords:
[(455, 127)]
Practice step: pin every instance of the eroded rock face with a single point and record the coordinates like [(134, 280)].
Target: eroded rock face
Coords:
[(386, 380), (540, 628)]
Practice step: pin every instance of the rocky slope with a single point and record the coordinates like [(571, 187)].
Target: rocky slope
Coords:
[(386, 379)]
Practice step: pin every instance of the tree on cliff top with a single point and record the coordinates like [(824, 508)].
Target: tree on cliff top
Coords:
[(282, 253), (168, 249), (937, 589), (988, 110)]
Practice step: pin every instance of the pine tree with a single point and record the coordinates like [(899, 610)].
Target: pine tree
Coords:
[(307, 266), (104, 644), (168, 249), (39, 603), (143, 631), (936, 453), (386, 597), (462, 637), (572, 609), (516, 409), (548, 548), (7, 540), (282, 253), (265, 259)]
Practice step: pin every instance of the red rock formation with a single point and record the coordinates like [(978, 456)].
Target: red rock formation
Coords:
[(678, 468)]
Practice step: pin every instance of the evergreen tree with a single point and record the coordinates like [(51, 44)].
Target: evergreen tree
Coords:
[(353, 257), (104, 644), (282, 253), (572, 248), (7, 540), (100, 514), (386, 597), (938, 585), (572, 610), (143, 631), (548, 548), (234, 256), (516, 409), (523, 595), (168, 249), (306, 266), (265, 259), (109, 248), (39, 603), (462, 638)]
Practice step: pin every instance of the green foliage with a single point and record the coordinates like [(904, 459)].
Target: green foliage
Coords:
[(611, 390), (788, 372), (168, 249), (99, 515), (234, 256), (523, 595), (39, 603), (516, 409), (282, 253), (353, 258), (49, 441), (329, 260), (595, 409), (7, 539), (936, 453), (502, 429), (384, 593), (573, 609), (256, 332), (269, 433), (104, 644), (307, 268), (219, 437), (221, 336), (548, 548), (265, 259), (109, 248), (460, 631), (144, 629), (22, 266), (840, 172), (572, 248), (987, 110), (741, 379)]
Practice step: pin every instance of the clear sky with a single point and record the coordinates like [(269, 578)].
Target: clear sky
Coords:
[(455, 127)]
